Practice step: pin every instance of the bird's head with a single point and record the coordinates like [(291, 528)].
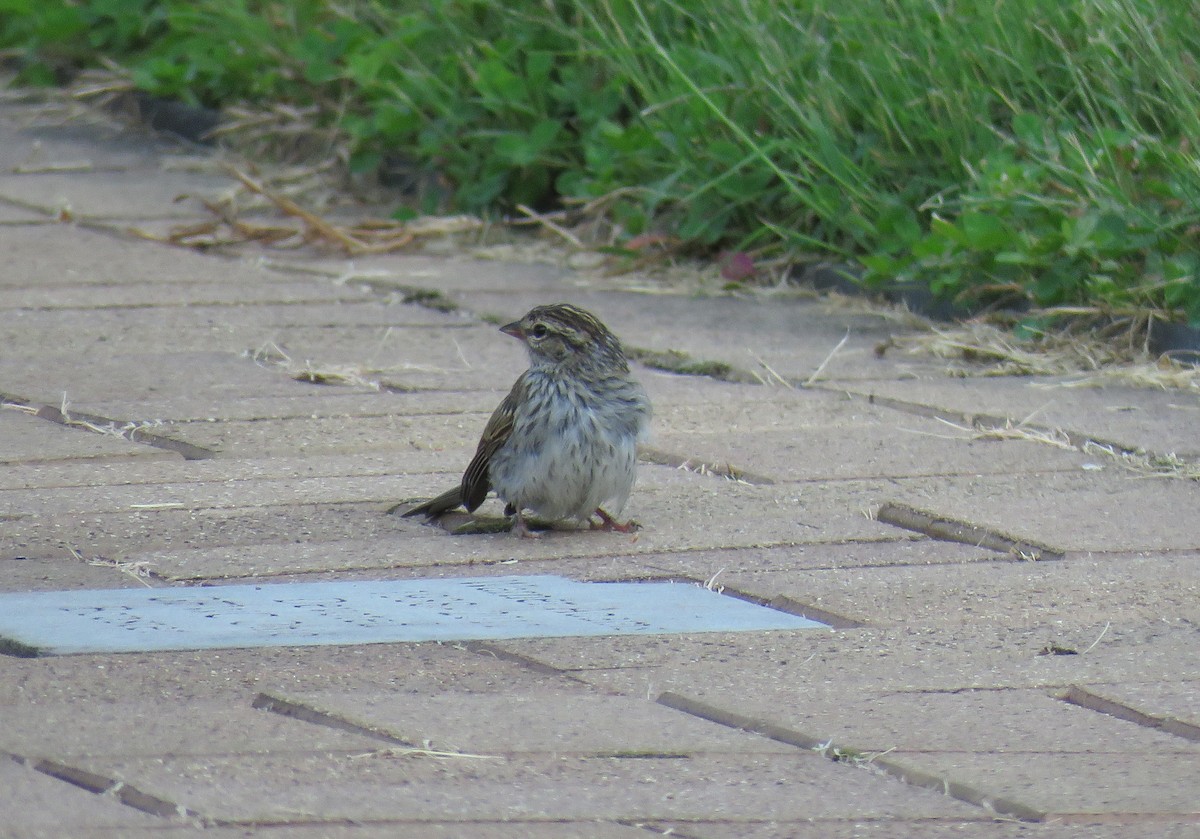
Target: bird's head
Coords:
[(563, 335)]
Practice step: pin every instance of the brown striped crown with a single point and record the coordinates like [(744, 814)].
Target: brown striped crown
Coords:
[(562, 333)]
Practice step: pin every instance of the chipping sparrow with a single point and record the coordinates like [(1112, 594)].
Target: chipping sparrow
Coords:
[(564, 440)]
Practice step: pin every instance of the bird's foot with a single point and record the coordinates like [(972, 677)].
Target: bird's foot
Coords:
[(607, 522), (521, 528)]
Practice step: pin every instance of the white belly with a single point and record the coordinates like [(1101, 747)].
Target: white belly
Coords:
[(565, 461)]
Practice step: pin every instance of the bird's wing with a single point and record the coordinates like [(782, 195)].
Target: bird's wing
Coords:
[(475, 480)]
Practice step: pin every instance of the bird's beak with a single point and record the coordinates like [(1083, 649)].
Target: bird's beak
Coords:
[(514, 329)]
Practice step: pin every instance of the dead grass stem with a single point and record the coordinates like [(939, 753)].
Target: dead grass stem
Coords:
[(1090, 357)]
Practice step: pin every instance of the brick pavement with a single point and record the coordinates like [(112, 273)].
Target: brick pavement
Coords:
[(964, 691)]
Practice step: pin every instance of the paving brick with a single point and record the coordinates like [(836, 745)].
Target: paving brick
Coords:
[(313, 403), (766, 572), (453, 272), (67, 731), (1083, 783), (1158, 420), (163, 532), (155, 295), (15, 215), (539, 786), (1056, 828), (475, 828), (1110, 510), (514, 721), (98, 195), (1163, 700), (140, 377), (180, 679), (193, 496), (1017, 722), (957, 655), (61, 573), (35, 135), (788, 667), (182, 328), (26, 439), (1084, 590), (67, 259), (792, 336), (849, 450), (37, 805), (171, 469)]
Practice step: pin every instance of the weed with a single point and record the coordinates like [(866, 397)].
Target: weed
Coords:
[(1030, 152)]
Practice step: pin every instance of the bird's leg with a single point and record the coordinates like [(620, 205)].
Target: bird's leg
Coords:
[(607, 522), (521, 528)]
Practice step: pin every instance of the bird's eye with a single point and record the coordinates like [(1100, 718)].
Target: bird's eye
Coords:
[(538, 332)]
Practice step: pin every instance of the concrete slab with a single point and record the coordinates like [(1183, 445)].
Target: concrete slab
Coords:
[(351, 612)]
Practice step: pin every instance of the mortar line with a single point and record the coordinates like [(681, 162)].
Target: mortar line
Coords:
[(103, 425), (946, 529), (1084, 698), (840, 754)]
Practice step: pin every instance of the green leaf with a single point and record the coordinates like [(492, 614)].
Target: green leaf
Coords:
[(365, 161), (525, 149), (946, 230), (1030, 129), (984, 232), (502, 89), (1015, 258), (538, 64), (882, 267)]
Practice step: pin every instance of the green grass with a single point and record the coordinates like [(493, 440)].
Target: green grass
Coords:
[(1025, 150)]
